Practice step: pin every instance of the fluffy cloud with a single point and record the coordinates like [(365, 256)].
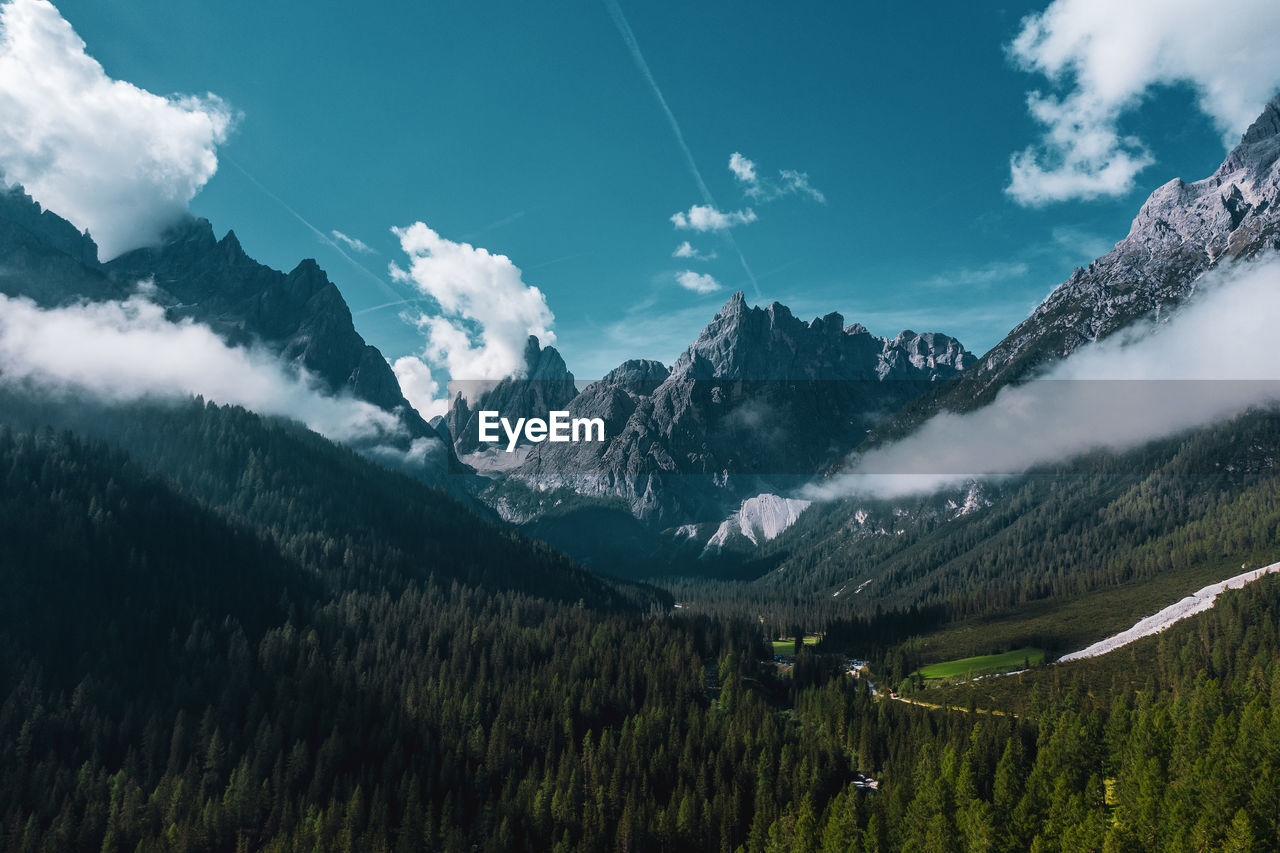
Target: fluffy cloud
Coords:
[(704, 217), (419, 387), (1103, 57), (110, 157), (486, 311), (743, 169), (697, 282), (1147, 383), (126, 351), (789, 181), (686, 250), (352, 243)]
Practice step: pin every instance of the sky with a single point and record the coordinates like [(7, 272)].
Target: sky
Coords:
[(606, 174)]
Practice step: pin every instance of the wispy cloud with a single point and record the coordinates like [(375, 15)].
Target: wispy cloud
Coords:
[(702, 217), (686, 250), (788, 182), (1103, 58), (110, 157), (1081, 245), (697, 282), (352, 243), (980, 277)]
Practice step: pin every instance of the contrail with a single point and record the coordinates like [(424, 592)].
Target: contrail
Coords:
[(624, 29), (325, 238), (390, 305)]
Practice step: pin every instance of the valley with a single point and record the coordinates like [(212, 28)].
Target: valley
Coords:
[(267, 588)]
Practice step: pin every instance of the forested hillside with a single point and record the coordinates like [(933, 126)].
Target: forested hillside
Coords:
[(454, 718), (337, 516), (1125, 531)]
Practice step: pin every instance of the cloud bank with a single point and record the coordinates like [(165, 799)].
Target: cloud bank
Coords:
[(110, 157), (1212, 360), (1102, 58), (127, 351), (485, 315)]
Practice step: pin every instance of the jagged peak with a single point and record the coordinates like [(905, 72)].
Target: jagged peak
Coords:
[(1266, 125), (1259, 146), (831, 320), (737, 304), (231, 242), (544, 363), (638, 370), (306, 266)]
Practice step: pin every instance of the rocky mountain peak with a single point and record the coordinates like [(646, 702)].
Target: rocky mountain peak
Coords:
[(1182, 230), (544, 363), (637, 370), (1260, 145)]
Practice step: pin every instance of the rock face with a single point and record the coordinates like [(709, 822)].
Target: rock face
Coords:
[(301, 315), (1183, 230), (759, 402)]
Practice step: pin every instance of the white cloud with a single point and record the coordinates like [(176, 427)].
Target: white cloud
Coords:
[(743, 169), (1146, 383), (686, 250), (697, 282), (1103, 57), (704, 217), (419, 387), (106, 155), (486, 311), (789, 181), (352, 243), (126, 351)]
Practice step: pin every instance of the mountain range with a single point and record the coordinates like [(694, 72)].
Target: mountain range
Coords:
[(700, 457)]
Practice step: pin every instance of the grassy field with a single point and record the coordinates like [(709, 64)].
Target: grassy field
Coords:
[(787, 647), (1015, 659)]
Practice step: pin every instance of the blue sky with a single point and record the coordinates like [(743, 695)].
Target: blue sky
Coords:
[(530, 130)]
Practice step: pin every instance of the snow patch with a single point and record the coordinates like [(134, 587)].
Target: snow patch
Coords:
[(759, 519), (1197, 602)]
